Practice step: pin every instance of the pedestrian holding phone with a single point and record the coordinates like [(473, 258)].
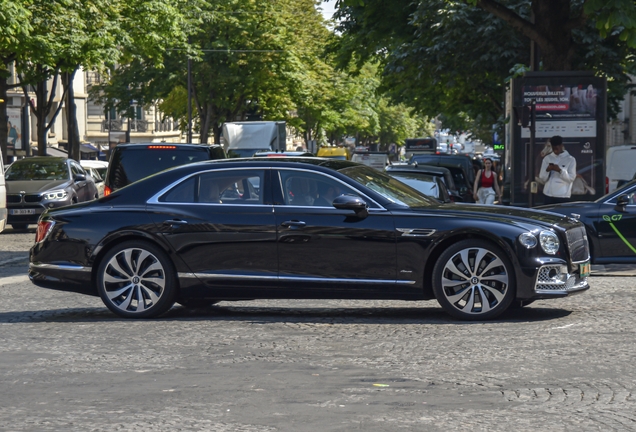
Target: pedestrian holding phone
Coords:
[(558, 171)]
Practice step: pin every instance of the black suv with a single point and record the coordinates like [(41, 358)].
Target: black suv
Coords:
[(132, 162)]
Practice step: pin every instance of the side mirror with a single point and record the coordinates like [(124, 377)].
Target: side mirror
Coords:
[(351, 202), (621, 203), (79, 177)]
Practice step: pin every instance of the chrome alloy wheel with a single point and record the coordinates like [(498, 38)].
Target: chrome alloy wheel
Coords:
[(134, 280), (474, 281)]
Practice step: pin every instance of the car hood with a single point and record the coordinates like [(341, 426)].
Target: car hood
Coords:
[(569, 207), (505, 214), (34, 186), (578, 208)]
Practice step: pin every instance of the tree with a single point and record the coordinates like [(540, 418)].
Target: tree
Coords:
[(453, 58), (15, 29)]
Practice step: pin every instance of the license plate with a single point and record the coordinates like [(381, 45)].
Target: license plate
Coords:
[(584, 269), (22, 211)]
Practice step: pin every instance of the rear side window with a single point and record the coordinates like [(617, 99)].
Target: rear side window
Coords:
[(131, 164), (224, 187)]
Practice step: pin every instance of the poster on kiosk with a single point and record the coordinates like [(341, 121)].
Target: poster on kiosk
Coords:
[(569, 104)]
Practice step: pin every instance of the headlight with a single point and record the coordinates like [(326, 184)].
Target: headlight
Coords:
[(549, 242), (54, 195), (528, 240)]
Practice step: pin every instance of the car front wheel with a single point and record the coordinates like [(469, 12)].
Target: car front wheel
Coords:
[(136, 280), (474, 280)]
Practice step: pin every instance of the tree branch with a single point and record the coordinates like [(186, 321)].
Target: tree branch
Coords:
[(523, 25)]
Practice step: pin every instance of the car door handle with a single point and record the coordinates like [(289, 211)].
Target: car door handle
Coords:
[(175, 222), (293, 224)]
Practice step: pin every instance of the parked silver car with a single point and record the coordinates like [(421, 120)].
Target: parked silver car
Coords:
[(39, 183)]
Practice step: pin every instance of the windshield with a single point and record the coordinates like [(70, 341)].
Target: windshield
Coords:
[(37, 170), (421, 182), (388, 187)]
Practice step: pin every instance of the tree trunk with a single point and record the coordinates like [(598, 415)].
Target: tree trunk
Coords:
[(552, 19), (71, 116), (216, 127), (551, 30), (4, 131), (40, 116)]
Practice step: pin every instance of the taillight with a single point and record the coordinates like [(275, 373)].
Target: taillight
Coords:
[(606, 185), (107, 191), (43, 230)]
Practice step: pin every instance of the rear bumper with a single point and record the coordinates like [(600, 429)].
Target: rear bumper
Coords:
[(72, 278)]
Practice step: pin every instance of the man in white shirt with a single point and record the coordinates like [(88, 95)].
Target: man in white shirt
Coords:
[(558, 171)]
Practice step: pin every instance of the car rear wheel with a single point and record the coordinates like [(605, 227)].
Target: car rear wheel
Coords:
[(136, 280), (474, 280)]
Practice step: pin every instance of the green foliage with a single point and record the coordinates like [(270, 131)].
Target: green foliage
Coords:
[(453, 59)]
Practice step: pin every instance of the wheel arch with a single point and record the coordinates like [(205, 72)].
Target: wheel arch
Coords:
[(446, 242), (110, 242)]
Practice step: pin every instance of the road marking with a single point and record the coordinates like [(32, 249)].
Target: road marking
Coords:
[(10, 260), (13, 279), (565, 326)]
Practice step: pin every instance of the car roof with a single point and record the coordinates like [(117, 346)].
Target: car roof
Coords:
[(41, 158), (141, 145), (93, 163), (419, 168), (282, 154)]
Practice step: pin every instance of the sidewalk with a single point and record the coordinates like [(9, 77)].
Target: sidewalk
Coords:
[(613, 270)]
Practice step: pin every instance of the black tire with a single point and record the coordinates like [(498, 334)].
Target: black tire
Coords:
[(459, 275), (134, 270), (19, 226), (197, 303)]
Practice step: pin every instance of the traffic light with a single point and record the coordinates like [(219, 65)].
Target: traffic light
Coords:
[(523, 114)]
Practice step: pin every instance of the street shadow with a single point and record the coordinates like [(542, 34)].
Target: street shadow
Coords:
[(225, 311), (14, 263)]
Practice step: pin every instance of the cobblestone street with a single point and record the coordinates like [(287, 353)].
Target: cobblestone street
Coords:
[(67, 363)]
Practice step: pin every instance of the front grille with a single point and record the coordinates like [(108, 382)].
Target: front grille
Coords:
[(578, 244), (32, 198), (14, 198)]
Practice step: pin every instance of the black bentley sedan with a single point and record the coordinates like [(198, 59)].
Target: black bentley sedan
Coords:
[(610, 222), (302, 228), (39, 183)]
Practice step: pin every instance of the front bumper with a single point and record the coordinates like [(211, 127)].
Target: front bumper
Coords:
[(29, 213), (551, 278), (554, 279)]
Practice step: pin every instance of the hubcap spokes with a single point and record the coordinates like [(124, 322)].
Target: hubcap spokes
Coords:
[(474, 280), (134, 280)]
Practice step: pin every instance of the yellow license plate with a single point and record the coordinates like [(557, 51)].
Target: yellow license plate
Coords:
[(584, 269)]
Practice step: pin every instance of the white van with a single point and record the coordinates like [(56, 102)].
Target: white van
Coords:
[(3, 198), (620, 164)]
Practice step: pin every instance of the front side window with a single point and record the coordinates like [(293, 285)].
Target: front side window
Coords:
[(307, 189), (223, 187)]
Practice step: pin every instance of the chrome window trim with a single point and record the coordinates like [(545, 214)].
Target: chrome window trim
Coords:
[(155, 198), (279, 169), (188, 275), (615, 197), (70, 267)]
